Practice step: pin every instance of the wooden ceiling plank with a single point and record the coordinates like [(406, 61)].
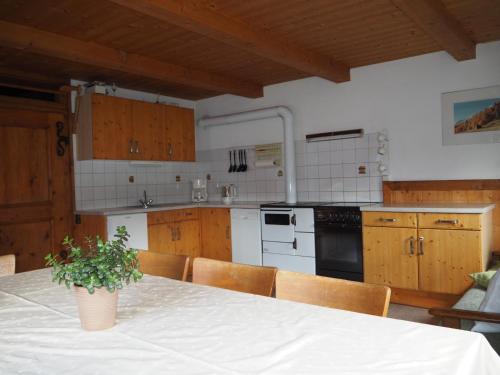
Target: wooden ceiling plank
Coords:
[(54, 45), (204, 21), (432, 17)]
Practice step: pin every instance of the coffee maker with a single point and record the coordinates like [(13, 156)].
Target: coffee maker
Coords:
[(199, 191)]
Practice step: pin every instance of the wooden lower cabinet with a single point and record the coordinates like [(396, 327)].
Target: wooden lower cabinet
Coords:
[(447, 259), (387, 257), (193, 232), (421, 257), (216, 233)]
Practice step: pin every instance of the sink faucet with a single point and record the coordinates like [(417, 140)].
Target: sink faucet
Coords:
[(146, 203)]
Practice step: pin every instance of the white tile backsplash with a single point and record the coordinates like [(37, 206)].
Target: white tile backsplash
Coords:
[(326, 171)]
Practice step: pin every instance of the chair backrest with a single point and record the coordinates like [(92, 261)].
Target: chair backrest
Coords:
[(329, 292), (234, 276), (7, 264), (167, 265)]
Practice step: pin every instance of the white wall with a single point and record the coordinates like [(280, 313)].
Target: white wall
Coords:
[(403, 96)]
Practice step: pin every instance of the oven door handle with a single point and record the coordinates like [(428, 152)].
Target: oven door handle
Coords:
[(293, 219), (294, 244)]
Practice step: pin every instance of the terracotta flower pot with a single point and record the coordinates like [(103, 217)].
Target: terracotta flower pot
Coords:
[(98, 310)]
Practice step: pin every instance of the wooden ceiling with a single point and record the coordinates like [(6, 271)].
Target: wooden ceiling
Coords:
[(196, 49)]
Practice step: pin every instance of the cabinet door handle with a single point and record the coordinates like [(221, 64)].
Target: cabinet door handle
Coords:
[(172, 233), (178, 233), (451, 221), (131, 144), (412, 246), (293, 219), (294, 244), (136, 147), (387, 220), (420, 245), (170, 151), (228, 232)]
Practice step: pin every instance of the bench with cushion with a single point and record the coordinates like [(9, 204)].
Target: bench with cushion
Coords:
[(477, 310)]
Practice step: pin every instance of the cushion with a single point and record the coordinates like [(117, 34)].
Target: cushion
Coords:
[(491, 303), (482, 279), (471, 301)]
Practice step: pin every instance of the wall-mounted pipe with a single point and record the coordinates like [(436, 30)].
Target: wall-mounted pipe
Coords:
[(288, 138)]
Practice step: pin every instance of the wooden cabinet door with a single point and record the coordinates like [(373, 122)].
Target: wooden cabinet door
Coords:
[(187, 240), (216, 233), (387, 257), (179, 133), (112, 132), (161, 238), (449, 256), (148, 131)]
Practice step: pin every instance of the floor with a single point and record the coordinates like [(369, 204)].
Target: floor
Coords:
[(413, 314)]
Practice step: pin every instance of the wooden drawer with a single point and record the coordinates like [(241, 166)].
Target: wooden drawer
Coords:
[(449, 221), (160, 217), (390, 219)]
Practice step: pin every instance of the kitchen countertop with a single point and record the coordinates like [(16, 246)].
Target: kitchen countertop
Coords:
[(456, 208), (166, 207)]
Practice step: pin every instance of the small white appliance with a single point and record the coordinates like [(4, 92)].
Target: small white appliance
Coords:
[(199, 191), (288, 238), (245, 236), (137, 227), (228, 193)]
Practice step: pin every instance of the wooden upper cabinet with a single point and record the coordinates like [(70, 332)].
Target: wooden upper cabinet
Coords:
[(122, 129), (180, 134), (148, 131), (110, 128)]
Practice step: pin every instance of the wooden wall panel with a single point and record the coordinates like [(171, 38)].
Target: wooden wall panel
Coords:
[(29, 242), (456, 191), (24, 178)]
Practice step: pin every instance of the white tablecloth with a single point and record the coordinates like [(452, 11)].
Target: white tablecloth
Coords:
[(166, 326)]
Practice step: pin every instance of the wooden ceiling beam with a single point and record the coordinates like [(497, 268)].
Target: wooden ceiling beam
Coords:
[(198, 18), (55, 45), (433, 18)]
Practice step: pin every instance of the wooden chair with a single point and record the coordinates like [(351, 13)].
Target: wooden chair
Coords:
[(336, 293), (166, 265), (7, 264), (234, 276)]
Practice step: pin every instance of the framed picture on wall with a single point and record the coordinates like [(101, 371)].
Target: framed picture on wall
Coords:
[(471, 116)]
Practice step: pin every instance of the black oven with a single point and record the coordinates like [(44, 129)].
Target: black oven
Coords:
[(338, 237)]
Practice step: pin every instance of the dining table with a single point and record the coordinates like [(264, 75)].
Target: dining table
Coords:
[(166, 326)]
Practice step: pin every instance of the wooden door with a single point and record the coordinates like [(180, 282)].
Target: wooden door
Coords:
[(216, 233), (188, 238), (35, 186), (161, 238), (148, 132), (449, 256), (112, 132), (180, 133), (387, 259)]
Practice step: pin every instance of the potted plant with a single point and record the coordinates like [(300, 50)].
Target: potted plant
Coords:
[(97, 273)]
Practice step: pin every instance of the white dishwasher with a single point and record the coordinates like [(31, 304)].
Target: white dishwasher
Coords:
[(245, 236)]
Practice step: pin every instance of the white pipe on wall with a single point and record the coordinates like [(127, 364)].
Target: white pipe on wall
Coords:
[(288, 138)]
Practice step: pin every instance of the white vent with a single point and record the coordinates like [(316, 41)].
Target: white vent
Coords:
[(340, 134)]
